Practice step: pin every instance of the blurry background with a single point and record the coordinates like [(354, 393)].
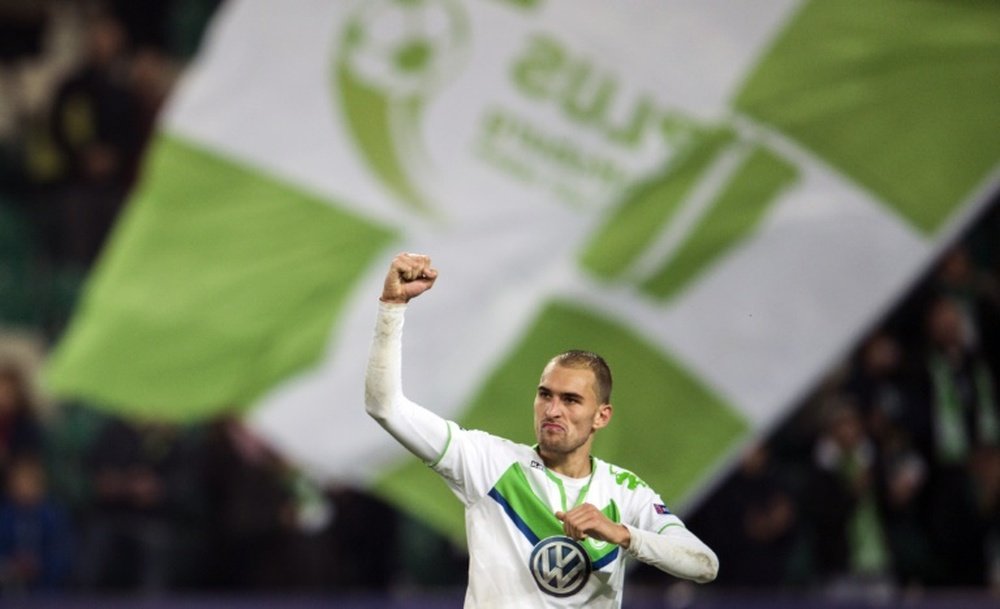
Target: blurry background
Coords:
[(880, 482)]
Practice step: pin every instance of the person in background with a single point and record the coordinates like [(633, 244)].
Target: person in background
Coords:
[(20, 431), (248, 497), (880, 384), (753, 521), (143, 500), (851, 546), (35, 532), (957, 424), (95, 127)]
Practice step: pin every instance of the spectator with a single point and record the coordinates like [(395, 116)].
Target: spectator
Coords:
[(878, 381), (883, 394), (752, 521), (958, 421), (961, 412), (95, 127), (248, 496), (901, 477), (143, 498), (34, 532), (19, 430), (851, 548), (974, 291), (272, 526)]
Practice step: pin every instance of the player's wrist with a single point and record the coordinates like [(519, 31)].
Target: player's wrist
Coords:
[(393, 308), (625, 537)]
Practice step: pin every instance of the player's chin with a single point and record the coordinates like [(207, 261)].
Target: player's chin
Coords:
[(549, 443)]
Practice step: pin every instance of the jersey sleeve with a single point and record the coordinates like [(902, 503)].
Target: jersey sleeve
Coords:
[(473, 461), (646, 510), (660, 539), (421, 431)]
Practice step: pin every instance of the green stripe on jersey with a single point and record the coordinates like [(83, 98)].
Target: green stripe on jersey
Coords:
[(515, 489)]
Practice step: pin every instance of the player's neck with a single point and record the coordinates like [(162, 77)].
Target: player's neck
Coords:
[(573, 465)]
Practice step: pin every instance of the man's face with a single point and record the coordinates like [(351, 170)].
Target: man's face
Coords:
[(567, 410), (947, 327)]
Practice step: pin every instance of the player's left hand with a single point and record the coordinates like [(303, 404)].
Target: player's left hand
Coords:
[(586, 520)]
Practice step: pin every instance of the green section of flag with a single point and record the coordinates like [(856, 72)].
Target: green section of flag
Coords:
[(640, 218), (903, 97), (666, 423), (218, 283), (731, 218)]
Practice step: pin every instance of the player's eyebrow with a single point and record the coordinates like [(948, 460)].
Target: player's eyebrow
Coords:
[(564, 395)]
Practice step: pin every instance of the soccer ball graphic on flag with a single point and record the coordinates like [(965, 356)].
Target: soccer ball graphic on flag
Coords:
[(405, 47)]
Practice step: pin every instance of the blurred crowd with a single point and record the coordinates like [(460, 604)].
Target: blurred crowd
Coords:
[(887, 478), (81, 83)]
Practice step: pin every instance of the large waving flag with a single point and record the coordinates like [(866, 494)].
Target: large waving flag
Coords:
[(718, 196)]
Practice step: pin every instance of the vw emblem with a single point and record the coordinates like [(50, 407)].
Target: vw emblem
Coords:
[(560, 566)]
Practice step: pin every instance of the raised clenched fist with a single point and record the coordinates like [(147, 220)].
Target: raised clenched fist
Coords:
[(409, 276)]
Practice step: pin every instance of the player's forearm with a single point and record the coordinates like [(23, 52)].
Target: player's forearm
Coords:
[(383, 377), (422, 432), (676, 551)]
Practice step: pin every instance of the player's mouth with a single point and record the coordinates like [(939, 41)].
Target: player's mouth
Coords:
[(550, 426)]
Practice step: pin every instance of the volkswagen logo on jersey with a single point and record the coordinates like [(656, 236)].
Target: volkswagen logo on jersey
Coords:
[(560, 566)]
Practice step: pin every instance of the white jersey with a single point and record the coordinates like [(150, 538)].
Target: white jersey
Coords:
[(519, 556)]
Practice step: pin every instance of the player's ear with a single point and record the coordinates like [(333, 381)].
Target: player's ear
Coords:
[(603, 416)]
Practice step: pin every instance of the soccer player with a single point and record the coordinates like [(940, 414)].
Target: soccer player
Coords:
[(548, 525)]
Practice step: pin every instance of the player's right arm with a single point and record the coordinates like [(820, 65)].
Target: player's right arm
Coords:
[(422, 432)]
